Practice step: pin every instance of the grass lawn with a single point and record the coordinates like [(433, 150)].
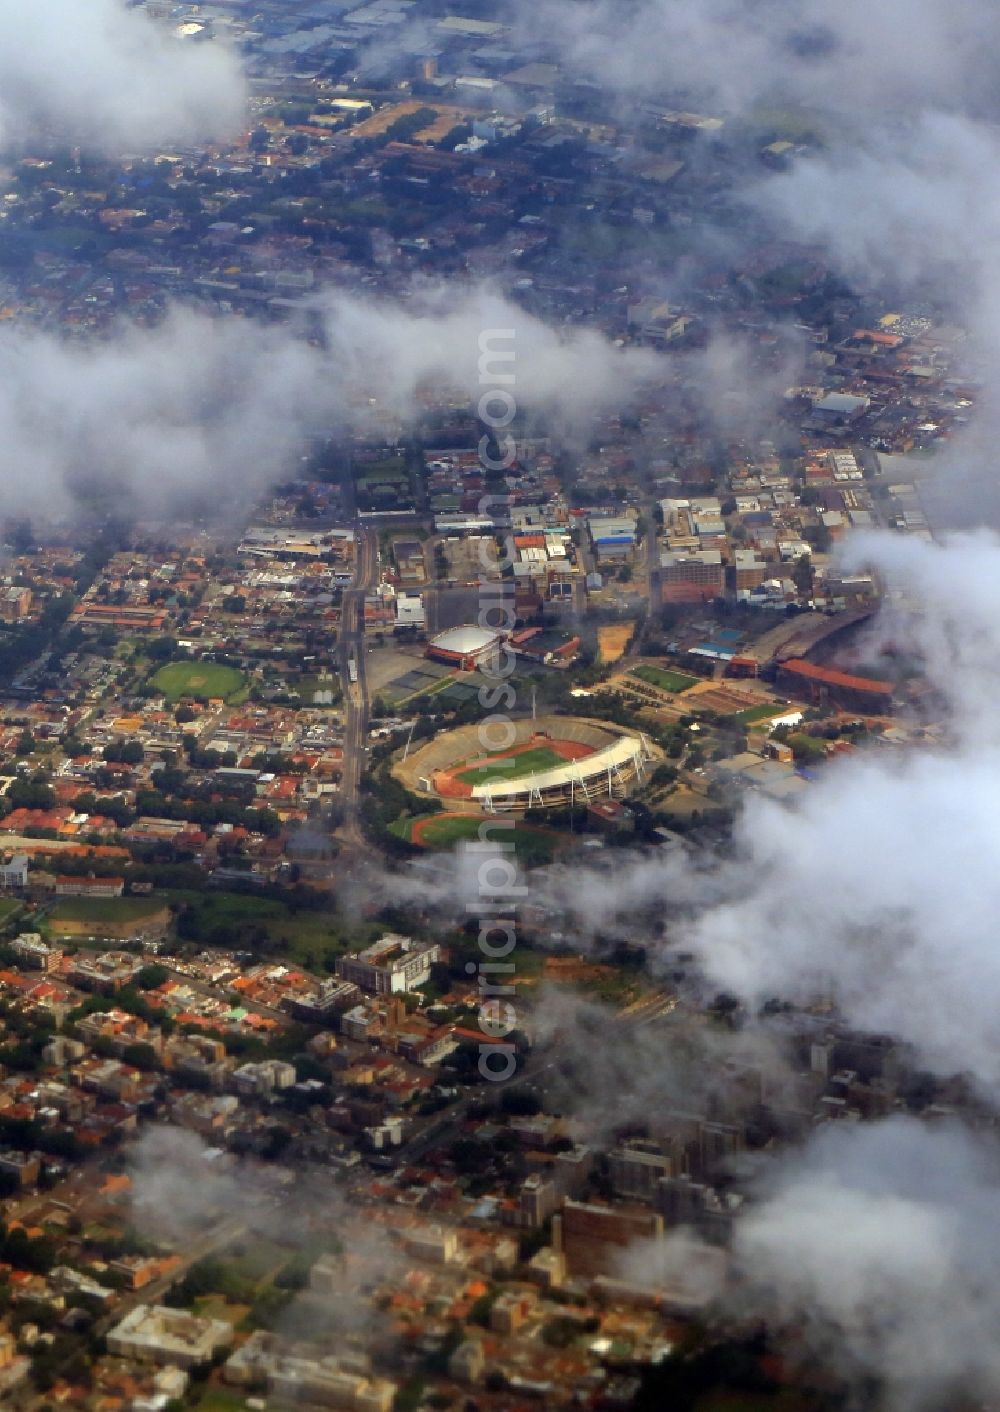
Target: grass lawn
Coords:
[(532, 845), (105, 909), (529, 762), (9, 907), (260, 1261), (100, 1235), (757, 713), (308, 686), (431, 689), (221, 1399), (68, 238), (215, 1306), (664, 677), (201, 680), (232, 919)]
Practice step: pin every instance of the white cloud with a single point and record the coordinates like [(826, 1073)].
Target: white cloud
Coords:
[(878, 1245), (198, 404), (103, 75)]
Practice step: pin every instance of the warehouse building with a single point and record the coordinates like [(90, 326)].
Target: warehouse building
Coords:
[(613, 536)]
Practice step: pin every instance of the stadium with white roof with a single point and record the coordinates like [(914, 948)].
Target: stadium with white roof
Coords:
[(554, 760)]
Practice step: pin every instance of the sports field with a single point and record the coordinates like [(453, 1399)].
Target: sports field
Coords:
[(105, 916), (201, 680), (753, 714), (664, 678), (532, 845), (106, 909), (512, 767)]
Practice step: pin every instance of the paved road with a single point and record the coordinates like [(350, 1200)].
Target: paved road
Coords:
[(352, 646), (224, 1234)]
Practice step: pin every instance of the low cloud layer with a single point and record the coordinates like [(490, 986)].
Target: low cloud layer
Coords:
[(436, 334), (152, 418), (879, 888), (182, 1189), (853, 58), (184, 1193), (158, 418), (914, 215), (878, 1245), (609, 1072), (103, 75)]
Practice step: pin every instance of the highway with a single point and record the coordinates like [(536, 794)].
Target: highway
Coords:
[(351, 647)]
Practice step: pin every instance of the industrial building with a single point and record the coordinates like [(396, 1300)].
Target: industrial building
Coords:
[(613, 536)]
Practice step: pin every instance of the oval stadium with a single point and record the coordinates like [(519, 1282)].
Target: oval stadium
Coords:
[(554, 760)]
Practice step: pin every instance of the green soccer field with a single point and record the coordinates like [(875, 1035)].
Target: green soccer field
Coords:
[(530, 762), (532, 846), (93, 911), (201, 680), (664, 677), (753, 714)]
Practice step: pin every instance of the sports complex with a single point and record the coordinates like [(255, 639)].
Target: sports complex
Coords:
[(549, 761)]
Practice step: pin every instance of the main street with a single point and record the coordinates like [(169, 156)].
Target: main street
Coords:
[(351, 647)]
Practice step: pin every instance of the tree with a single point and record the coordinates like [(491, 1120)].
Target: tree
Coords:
[(806, 749), (804, 575), (152, 976), (161, 649)]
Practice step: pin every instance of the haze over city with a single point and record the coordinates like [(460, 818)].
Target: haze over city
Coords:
[(499, 612)]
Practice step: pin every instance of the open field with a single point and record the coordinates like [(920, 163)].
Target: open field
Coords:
[(446, 117), (215, 1306), (446, 831), (94, 911), (612, 640), (202, 680), (512, 767), (9, 907), (664, 677), (238, 919)]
